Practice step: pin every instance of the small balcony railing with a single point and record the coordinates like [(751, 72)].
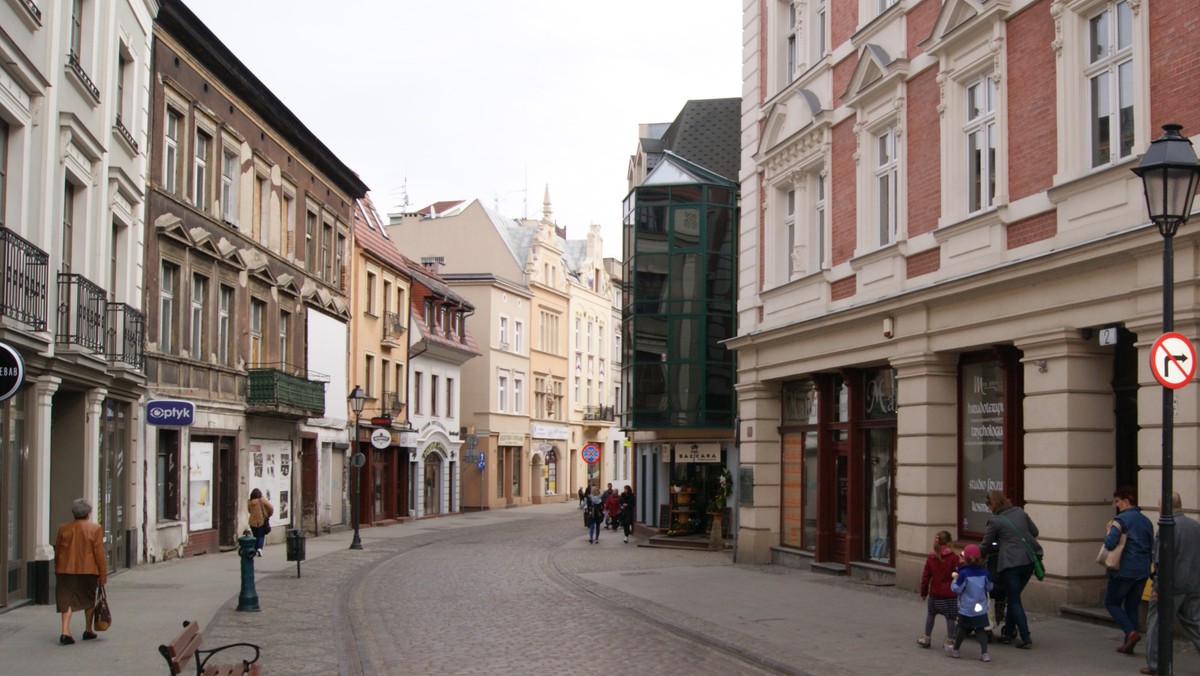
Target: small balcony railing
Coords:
[(82, 312), (604, 413), (285, 390), (77, 68), (126, 335), (32, 8), (393, 326), (26, 280), (125, 134), (391, 403)]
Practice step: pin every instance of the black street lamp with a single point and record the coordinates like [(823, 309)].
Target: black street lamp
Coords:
[(357, 398), (1169, 172)]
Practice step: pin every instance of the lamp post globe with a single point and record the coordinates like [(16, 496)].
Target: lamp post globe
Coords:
[(357, 398), (1169, 172)]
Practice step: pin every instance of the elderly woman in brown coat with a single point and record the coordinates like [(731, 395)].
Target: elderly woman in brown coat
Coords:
[(79, 566)]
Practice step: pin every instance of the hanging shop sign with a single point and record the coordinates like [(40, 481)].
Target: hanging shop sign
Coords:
[(12, 371), (170, 412), (381, 439)]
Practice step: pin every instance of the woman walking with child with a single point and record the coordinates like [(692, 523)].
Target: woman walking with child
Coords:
[(940, 565)]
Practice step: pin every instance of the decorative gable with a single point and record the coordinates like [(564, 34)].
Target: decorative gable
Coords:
[(171, 226), (958, 19), (874, 71)]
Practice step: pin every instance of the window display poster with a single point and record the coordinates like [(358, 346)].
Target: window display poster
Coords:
[(270, 471), (200, 473), (982, 401)]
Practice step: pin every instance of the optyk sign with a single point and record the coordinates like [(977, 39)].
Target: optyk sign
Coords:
[(171, 412)]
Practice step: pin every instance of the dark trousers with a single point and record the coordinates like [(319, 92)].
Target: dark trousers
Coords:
[(1014, 580)]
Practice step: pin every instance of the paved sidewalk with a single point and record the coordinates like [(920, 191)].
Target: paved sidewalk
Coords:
[(793, 621)]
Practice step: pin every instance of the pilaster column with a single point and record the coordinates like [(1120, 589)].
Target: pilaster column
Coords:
[(926, 456), (1069, 456), (39, 455), (92, 428), (759, 408)]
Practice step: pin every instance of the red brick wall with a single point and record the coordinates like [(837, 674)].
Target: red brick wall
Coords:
[(920, 20), (843, 20), (1030, 86), (1174, 67), (923, 263), (842, 72), (1033, 229), (923, 153), (842, 212), (843, 288)]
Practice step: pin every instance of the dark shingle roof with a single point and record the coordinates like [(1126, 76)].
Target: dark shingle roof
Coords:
[(706, 132)]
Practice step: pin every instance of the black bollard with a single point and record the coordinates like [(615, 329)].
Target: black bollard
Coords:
[(248, 598)]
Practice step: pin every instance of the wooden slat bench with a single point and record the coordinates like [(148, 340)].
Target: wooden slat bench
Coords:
[(187, 645)]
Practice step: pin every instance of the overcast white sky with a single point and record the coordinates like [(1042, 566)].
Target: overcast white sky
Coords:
[(488, 99)]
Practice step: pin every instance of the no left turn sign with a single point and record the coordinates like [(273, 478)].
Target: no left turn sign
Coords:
[(1173, 360)]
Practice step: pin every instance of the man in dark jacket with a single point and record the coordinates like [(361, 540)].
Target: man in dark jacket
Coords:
[(1186, 593)]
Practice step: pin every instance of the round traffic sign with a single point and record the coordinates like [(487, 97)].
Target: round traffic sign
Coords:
[(1173, 360), (358, 459), (591, 453)]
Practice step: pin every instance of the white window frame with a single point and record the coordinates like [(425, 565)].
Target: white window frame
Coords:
[(199, 292), (503, 333), (980, 132), (285, 319), (224, 318), (1116, 68), (518, 335), (885, 217), (168, 280), (258, 309), (501, 390), (230, 177), (172, 125), (201, 157), (518, 393), (1073, 101)]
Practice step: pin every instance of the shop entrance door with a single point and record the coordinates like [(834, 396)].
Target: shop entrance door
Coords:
[(308, 486), (839, 511)]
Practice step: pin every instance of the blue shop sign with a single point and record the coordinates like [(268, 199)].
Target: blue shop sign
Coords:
[(170, 412)]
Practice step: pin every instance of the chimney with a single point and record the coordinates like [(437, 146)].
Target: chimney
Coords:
[(433, 264)]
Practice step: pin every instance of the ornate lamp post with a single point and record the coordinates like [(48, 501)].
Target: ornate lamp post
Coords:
[(1169, 172), (357, 398)]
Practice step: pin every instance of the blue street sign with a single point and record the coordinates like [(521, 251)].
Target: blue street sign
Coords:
[(481, 460), (170, 412)]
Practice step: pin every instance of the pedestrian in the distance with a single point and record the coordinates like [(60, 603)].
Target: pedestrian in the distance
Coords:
[(1013, 535), (260, 510), (1123, 593), (1185, 594), (940, 565), (582, 497), (79, 568), (972, 584), (594, 517), (612, 507), (627, 502)]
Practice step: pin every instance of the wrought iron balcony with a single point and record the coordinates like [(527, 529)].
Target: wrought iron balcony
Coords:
[(285, 391), (126, 335), (26, 280), (393, 326), (32, 8), (391, 403), (604, 413), (125, 134), (82, 312), (77, 68)]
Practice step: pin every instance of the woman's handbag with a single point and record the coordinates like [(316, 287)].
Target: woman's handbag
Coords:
[(266, 527), (1039, 570), (1111, 558), (101, 615)]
